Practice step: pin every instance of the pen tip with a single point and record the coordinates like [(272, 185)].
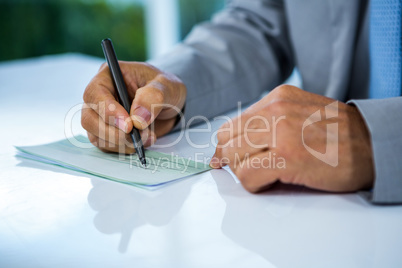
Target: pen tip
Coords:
[(143, 162)]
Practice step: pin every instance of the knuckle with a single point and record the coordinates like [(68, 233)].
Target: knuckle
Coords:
[(85, 119), (287, 180), (151, 70), (153, 92), (284, 88), (159, 96), (250, 185), (145, 65), (251, 188), (109, 111), (103, 66), (227, 129), (221, 136), (225, 125), (93, 139), (283, 91), (218, 152), (256, 140), (91, 90), (279, 91), (225, 151), (163, 78), (241, 173), (278, 107), (256, 122), (87, 94)]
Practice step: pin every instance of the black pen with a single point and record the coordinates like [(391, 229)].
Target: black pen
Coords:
[(120, 86)]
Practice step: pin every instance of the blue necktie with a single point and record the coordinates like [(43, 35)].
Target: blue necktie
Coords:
[(385, 48)]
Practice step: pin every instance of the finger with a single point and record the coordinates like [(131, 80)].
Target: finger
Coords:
[(106, 146), (96, 127), (259, 120), (100, 95), (94, 124), (244, 125), (247, 144), (147, 104), (122, 148), (155, 97), (261, 170)]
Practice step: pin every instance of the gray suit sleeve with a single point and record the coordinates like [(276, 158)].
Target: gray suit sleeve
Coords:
[(384, 121), (243, 51)]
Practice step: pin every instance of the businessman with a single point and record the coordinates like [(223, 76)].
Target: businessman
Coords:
[(341, 133)]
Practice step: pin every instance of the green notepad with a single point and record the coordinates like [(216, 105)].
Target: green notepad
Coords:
[(161, 168)]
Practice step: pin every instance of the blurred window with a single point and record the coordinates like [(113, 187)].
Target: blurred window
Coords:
[(32, 28)]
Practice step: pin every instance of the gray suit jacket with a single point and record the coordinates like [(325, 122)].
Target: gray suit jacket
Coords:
[(253, 45)]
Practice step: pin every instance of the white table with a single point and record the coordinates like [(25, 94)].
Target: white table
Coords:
[(52, 217)]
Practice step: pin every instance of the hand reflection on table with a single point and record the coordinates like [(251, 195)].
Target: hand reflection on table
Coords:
[(292, 226), (123, 208)]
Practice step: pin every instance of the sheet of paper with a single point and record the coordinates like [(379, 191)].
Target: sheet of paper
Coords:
[(161, 168)]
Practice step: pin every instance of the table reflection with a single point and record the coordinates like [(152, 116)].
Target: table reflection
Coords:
[(123, 208), (292, 226)]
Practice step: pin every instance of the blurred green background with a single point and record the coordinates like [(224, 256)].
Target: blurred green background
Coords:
[(30, 28)]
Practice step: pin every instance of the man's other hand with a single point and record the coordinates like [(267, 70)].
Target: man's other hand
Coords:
[(297, 137)]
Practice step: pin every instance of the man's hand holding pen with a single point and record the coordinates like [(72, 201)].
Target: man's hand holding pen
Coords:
[(156, 99)]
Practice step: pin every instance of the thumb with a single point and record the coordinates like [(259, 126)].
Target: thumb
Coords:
[(166, 94), (147, 104)]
